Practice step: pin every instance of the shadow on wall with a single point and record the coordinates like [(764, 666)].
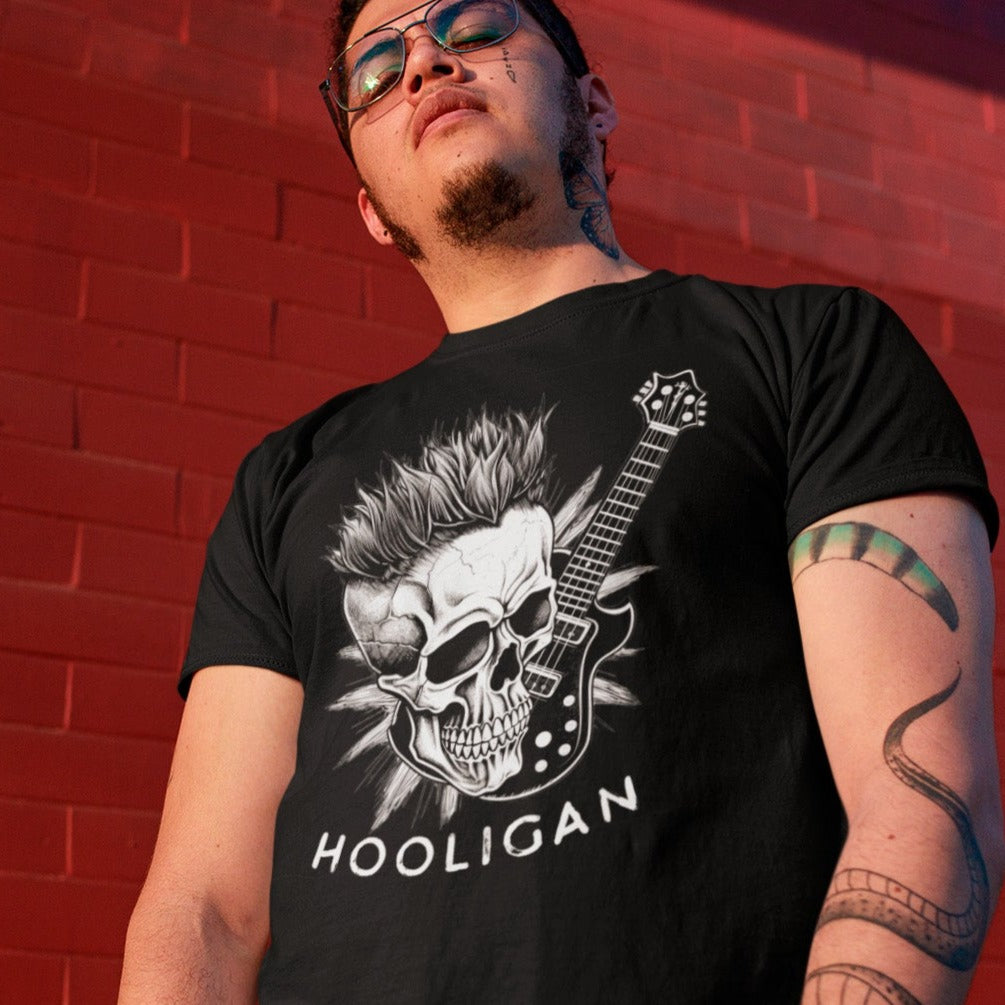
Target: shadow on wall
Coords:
[(959, 40)]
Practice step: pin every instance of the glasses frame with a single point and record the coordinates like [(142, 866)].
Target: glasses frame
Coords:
[(329, 93)]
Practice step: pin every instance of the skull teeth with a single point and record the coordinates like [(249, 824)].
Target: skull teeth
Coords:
[(476, 742)]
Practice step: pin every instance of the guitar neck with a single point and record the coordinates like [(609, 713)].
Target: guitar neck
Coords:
[(599, 546)]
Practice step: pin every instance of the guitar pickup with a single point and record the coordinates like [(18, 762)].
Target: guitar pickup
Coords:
[(541, 681), (570, 630)]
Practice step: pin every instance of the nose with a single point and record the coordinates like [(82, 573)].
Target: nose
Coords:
[(426, 62)]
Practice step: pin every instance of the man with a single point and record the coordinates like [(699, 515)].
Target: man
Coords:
[(635, 646)]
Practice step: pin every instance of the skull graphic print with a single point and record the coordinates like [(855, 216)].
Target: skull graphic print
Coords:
[(477, 607)]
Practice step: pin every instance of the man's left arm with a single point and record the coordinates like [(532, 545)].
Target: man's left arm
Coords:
[(896, 610)]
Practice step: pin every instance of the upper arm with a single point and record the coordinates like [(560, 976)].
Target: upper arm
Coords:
[(895, 602), (234, 757)]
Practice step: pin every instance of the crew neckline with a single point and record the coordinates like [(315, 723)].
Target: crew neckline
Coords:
[(537, 319)]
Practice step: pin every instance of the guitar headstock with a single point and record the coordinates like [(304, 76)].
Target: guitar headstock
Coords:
[(675, 402)]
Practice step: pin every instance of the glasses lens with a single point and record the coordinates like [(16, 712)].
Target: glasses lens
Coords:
[(463, 25), (370, 68)]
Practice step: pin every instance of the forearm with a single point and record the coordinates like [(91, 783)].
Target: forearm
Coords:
[(907, 909), (180, 950)]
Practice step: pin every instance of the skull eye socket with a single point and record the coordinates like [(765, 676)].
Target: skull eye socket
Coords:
[(459, 654), (532, 615)]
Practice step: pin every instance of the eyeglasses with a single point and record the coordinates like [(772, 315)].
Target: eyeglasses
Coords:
[(371, 67)]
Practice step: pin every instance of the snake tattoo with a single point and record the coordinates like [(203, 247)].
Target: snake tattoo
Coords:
[(954, 939)]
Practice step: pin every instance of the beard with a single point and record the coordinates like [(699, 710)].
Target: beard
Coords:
[(404, 240), (479, 201)]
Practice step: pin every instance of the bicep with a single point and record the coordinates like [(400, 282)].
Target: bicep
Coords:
[(234, 757), (895, 609)]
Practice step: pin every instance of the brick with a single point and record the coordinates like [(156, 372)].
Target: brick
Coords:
[(807, 143), (181, 308), (712, 163), (56, 36), (679, 203), (679, 104), (298, 101), (168, 66), (32, 690), (88, 354), (251, 33), (91, 625), (119, 772), (34, 150), (36, 547), (93, 107), (33, 277), (278, 154), (75, 484), (94, 980), (918, 268), (116, 701), (271, 389), (35, 409), (176, 435), (723, 71), (203, 498), (952, 186), (86, 227), (962, 143), (56, 915), (163, 16), (978, 333), (31, 977), (113, 844), (856, 254), (326, 222), (397, 296), (927, 91), (795, 49), (327, 341), (980, 241), (729, 261), (187, 190), (130, 562), (604, 35), (863, 204), (880, 117), (283, 271), (33, 838)]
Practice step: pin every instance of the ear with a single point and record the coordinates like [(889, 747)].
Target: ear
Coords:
[(600, 107), (374, 224)]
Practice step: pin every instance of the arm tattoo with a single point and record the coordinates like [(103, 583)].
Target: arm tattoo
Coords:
[(851, 984), (952, 939), (583, 191), (861, 542)]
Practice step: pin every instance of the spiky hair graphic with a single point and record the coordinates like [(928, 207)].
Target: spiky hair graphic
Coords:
[(464, 476)]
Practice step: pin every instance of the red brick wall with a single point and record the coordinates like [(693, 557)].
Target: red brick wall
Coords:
[(181, 269)]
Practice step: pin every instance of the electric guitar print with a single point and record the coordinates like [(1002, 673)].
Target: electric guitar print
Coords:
[(560, 677)]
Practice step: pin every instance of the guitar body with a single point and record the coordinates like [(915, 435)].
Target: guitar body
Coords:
[(561, 722)]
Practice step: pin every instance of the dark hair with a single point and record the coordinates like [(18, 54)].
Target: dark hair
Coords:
[(545, 12)]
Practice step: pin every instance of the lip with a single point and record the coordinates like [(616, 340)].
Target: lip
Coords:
[(442, 103)]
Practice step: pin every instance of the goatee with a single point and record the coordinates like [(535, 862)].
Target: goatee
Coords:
[(479, 201)]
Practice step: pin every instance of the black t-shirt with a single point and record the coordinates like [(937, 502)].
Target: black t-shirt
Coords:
[(557, 741)]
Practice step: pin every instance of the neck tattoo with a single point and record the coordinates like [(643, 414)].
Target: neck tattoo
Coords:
[(583, 191)]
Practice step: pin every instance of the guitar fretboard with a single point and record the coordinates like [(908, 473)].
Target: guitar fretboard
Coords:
[(595, 554)]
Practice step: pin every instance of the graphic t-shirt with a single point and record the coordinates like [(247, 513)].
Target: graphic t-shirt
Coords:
[(557, 742)]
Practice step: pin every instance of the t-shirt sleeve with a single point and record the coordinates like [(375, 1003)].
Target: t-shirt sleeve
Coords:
[(871, 418), (238, 617)]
